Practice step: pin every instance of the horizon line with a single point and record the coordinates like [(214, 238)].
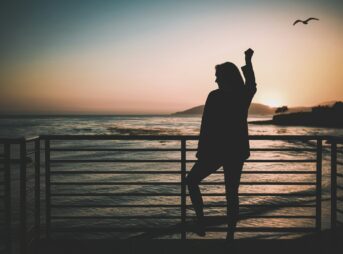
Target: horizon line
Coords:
[(108, 113)]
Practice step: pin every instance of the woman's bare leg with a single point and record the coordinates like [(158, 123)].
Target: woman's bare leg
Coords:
[(232, 174), (199, 171)]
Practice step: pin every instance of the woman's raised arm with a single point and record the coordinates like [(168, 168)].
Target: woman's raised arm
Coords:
[(249, 74)]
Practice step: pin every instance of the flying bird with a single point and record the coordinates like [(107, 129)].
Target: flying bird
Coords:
[(305, 22)]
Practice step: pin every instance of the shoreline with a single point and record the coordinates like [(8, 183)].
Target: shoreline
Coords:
[(272, 122)]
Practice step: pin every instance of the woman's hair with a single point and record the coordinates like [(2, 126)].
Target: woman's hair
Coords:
[(229, 74)]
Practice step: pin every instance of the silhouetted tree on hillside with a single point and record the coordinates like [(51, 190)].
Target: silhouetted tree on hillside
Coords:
[(281, 110)]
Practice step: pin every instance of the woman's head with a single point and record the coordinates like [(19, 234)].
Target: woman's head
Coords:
[(228, 76)]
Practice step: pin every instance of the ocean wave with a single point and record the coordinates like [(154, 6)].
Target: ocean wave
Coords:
[(142, 131)]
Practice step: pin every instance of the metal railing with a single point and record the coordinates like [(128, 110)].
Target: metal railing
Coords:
[(16, 157), (336, 184), (27, 233), (182, 172)]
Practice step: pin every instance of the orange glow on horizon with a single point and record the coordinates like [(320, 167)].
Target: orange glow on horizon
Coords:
[(272, 103)]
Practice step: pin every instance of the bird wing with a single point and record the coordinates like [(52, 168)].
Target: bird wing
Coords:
[(297, 21), (311, 19)]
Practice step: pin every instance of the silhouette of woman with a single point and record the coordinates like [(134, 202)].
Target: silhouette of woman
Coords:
[(224, 138)]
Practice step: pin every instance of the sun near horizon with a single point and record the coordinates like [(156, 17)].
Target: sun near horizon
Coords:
[(159, 57)]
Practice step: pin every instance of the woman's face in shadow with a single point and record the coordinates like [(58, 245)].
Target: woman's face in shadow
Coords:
[(221, 80)]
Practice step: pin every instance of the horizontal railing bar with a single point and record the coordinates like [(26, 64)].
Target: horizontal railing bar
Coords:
[(114, 194), (283, 149), (115, 149), (340, 187), (172, 172), (169, 149), (17, 161), (115, 172), (4, 140), (173, 205), (178, 217), (263, 229), (339, 210), (276, 149), (266, 217), (278, 194), (150, 229), (178, 183), (176, 194), (167, 161), (335, 139), (279, 172), (340, 175), (114, 206), (340, 198), (177, 137), (114, 217), (288, 161), (121, 161), (114, 183), (118, 137)]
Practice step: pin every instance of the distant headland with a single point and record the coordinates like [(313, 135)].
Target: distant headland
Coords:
[(329, 114), (255, 109)]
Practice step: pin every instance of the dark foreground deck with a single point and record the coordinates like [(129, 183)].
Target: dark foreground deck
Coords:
[(325, 242)]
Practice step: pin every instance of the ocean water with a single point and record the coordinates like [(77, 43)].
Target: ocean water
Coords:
[(167, 125)]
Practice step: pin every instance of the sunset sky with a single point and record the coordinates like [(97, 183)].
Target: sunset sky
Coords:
[(150, 57)]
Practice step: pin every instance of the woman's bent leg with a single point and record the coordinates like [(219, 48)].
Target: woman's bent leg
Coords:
[(199, 171)]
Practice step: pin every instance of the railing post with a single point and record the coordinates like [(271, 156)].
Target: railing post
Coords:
[(23, 226), (7, 192), (37, 188), (319, 185), (183, 189), (47, 188), (333, 185)]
